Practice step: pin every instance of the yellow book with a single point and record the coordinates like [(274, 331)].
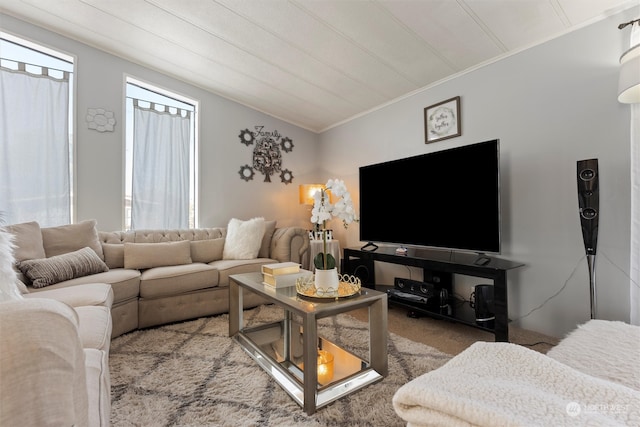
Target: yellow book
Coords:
[(281, 268), (284, 280)]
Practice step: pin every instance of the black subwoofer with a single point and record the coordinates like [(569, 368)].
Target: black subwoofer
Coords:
[(362, 269), (588, 202)]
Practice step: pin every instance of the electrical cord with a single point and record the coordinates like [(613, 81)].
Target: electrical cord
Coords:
[(554, 295), (567, 281), (537, 343), (621, 270)]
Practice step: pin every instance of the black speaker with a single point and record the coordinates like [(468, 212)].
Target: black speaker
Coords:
[(415, 287), (588, 202), (362, 269)]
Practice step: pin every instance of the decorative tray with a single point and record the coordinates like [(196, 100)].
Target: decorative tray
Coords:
[(348, 286)]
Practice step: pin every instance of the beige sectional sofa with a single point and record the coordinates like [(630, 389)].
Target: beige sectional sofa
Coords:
[(54, 358), (84, 287), (157, 276)]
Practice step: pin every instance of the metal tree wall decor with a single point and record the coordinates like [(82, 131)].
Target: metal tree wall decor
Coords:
[(267, 154)]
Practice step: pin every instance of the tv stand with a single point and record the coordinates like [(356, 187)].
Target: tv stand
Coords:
[(447, 263), (369, 247), (482, 259)]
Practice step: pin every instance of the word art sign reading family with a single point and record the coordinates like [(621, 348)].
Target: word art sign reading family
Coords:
[(267, 154)]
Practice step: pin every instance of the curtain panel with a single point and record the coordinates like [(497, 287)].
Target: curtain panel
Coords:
[(160, 176), (635, 216), (34, 147), (634, 265)]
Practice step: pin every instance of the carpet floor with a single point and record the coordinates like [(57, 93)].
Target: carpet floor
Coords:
[(193, 374)]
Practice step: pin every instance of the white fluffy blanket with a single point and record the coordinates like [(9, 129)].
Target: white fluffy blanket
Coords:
[(502, 384), (606, 349)]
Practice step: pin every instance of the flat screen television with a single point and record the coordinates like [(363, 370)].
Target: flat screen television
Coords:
[(446, 199)]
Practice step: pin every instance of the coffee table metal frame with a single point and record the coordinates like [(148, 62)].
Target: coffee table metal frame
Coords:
[(302, 384)]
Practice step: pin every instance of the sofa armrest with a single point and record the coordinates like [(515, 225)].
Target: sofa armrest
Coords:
[(290, 244), (42, 365)]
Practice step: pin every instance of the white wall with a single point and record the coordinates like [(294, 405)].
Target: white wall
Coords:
[(223, 195), (550, 106)]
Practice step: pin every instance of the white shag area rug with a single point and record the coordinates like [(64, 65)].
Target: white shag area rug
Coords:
[(193, 374)]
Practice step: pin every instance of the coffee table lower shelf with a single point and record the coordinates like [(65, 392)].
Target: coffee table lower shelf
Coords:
[(284, 347), (350, 372)]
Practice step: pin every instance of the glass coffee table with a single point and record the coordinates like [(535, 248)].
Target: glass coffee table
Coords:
[(283, 348)]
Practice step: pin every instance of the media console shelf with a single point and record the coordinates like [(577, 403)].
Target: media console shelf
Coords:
[(360, 262)]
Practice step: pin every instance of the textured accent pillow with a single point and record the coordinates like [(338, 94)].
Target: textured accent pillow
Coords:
[(68, 238), (22, 287), (58, 268), (207, 250), (27, 240), (244, 238), (265, 247), (149, 255), (113, 254)]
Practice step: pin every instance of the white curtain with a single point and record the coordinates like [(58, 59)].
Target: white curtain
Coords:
[(635, 200), (34, 147), (160, 176)]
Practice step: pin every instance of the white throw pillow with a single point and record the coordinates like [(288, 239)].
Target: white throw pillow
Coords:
[(244, 239), (8, 278)]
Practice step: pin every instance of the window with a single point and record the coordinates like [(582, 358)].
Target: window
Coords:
[(160, 159), (36, 137)]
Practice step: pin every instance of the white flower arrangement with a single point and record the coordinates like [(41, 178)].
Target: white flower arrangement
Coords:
[(323, 210)]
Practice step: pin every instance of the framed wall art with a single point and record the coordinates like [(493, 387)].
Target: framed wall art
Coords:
[(442, 120)]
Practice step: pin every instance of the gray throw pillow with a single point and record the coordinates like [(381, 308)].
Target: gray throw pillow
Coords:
[(71, 237), (207, 250), (48, 271), (27, 240)]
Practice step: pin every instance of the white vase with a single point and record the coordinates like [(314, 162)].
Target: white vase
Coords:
[(326, 279)]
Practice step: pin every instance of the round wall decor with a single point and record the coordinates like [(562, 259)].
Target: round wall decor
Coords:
[(100, 119)]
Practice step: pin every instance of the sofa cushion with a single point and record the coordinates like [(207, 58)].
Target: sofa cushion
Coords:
[(207, 250), (149, 255), (47, 271), (265, 247), (177, 279), (113, 254), (68, 238), (27, 240), (125, 283), (228, 267), (94, 327), (244, 238), (100, 294)]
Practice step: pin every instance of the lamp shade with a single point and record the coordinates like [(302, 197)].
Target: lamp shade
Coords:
[(629, 82), (306, 192)]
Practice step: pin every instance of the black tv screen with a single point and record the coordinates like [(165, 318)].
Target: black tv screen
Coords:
[(445, 199)]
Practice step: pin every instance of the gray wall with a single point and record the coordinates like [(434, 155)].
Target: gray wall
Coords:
[(223, 195), (550, 106)]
